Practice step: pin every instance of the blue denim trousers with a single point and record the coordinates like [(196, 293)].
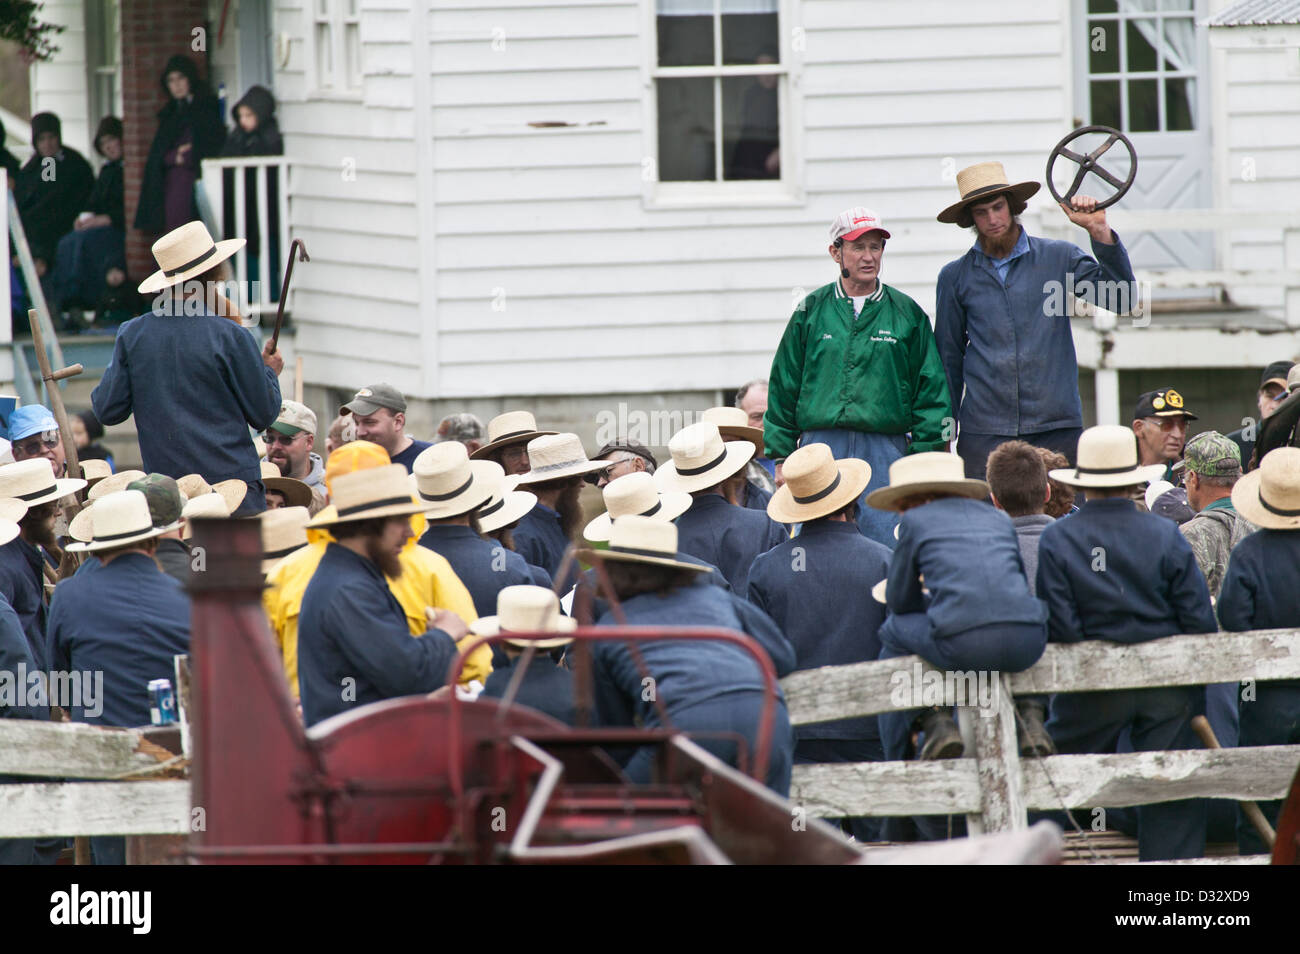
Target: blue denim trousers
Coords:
[(878, 450)]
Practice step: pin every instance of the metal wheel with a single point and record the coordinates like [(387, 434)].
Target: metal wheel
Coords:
[(1088, 163)]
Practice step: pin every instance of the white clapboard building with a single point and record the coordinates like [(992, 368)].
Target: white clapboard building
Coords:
[(567, 205)]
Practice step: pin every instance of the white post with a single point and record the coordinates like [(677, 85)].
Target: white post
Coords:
[(264, 265), (1107, 387), (6, 326)]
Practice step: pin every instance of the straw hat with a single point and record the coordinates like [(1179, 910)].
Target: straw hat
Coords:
[(1269, 496), (1108, 457), (284, 530), (979, 183), (512, 427), (204, 505), (816, 484), (232, 491), (296, 493), (113, 483), (638, 539), (701, 458), (370, 494), (928, 472), (11, 511), (556, 456), (32, 481), (82, 526), (505, 506), (94, 471), (733, 423), (185, 252), (636, 493), (527, 609), (121, 518), (449, 484)]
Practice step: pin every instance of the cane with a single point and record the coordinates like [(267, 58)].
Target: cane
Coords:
[(1201, 726), (295, 245)]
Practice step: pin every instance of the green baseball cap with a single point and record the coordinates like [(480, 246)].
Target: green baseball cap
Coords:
[(372, 397), (1211, 454), (164, 497)]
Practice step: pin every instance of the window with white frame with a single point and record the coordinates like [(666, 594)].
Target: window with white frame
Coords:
[(336, 45), (719, 86), (1142, 64)]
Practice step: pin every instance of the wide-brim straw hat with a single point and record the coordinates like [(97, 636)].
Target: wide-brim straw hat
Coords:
[(296, 493), (635, 493), (370, 494), (11, 511), (816, 484), (928, 472), (506, 506), (557, 456), (94, 470), (512, 427), (637, 539), (527, 609), (120, 519), (733, 424), (82, 527), (113, 483), (449, 484), (1108, 457), (981, 182), (700, 459), (33, 482), (184, 253), (205, 505), (1269, 496), (232, 491), (284, 531)]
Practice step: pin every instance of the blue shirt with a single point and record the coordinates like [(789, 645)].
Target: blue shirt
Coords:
[(590, 582), (817, 589), (22, 584), (407, 457), (968, 553), (1007, 341), (540, 540), (354, 646), (727, 537), (16, 659), (128, 620), (484, 566), (1113, 572), (1261, 587), (196, 384), (1003, 265), (546, 687)]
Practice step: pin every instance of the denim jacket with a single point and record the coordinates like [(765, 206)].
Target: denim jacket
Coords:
[(1010, 345)]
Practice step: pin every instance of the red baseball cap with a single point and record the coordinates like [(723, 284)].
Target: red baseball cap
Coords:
[(856, 222)]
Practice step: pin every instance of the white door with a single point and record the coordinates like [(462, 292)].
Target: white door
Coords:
[(1145, 71)]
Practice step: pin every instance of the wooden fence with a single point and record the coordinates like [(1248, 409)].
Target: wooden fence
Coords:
[(995, 789)]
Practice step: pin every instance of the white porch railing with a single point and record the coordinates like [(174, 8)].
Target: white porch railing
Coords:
[(269, 262)]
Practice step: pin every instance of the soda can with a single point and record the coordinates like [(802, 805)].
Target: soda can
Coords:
[(162, 702)]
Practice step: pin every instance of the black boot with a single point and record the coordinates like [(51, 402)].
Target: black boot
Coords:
[(942, 739), (1031, 735)]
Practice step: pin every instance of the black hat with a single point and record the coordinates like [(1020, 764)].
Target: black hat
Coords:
[(631, 447), (43, 123), (108, 126), (1275, 372), (1165, 402)]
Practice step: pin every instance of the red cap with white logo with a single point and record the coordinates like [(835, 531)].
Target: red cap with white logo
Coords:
[(855, 222)]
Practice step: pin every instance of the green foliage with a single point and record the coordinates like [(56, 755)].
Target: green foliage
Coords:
[(18, 22)]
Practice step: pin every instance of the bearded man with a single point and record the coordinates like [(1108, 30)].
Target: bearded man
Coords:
[(1002, 322), (557, 463)]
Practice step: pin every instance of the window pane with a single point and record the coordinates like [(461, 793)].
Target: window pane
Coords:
[(1175, 4), (752, 129), (1143, 105), (323, 8), (1179, 43), (1180, 104), (1102, 6), (352, 50), (686, 134), (324, 56), (750, 38), (1103, 47), (1105, 103), (1141, 54), (685, 40)]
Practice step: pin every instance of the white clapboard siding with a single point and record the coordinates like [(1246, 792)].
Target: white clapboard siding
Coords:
[(59, 86)]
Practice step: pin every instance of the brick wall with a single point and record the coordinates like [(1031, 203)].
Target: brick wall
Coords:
[(152, 32)]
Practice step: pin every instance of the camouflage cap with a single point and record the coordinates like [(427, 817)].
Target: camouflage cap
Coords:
[(460, 427), (1211, 454), (164, 497)]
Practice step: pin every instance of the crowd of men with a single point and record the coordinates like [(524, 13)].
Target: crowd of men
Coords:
[(825, 514)]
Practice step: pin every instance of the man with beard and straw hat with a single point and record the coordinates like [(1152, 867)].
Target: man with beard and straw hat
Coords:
[(194, 381), (1002, 319), (556, 465), (497, 520), (1261, 590), (547, 684), (427, 579), (354, 645), (508, 435)]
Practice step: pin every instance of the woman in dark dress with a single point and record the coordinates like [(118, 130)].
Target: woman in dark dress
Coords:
[(189, 131), (255, 133)]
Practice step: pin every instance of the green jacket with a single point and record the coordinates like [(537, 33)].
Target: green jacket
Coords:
[(878, 374)]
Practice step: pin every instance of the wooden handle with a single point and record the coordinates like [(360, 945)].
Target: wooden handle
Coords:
[(71, 370), (1201, 726)]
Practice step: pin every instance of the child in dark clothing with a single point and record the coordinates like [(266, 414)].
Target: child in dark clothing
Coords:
[(256, 133), (546, 685), (956, 590), (1115, 573)]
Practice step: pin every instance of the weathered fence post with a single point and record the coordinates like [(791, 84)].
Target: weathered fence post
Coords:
[(990, 735)]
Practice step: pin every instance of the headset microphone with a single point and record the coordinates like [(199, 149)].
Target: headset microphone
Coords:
[(839, 243)]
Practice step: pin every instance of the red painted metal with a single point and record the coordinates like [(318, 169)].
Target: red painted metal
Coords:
[(1286, 849)]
